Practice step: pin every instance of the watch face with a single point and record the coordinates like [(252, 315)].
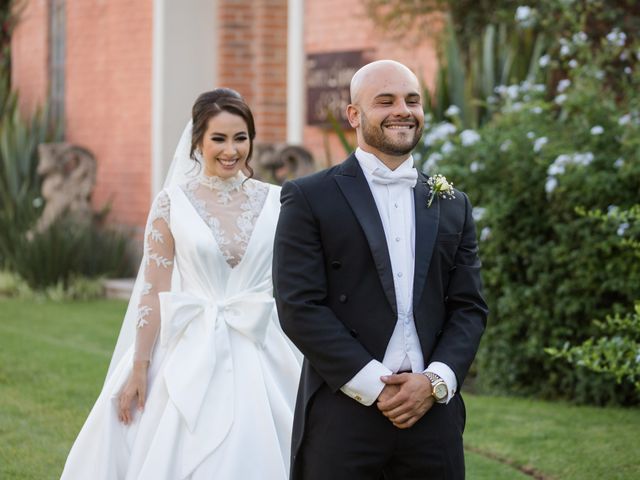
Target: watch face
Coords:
[(440, 391)]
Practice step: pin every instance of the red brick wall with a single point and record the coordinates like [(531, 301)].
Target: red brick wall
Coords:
[(108, 99), (338, 25), (29, 54), (253, 60), (108, 77)]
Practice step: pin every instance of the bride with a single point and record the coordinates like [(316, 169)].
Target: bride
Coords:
[(202, 383)]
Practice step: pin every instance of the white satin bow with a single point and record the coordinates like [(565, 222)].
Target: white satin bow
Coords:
[(196, 333)]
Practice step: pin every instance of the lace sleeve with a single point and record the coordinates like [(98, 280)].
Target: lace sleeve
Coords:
[(158, 266)]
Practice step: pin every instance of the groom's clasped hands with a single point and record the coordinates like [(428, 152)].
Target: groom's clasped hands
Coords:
[(405, 398)]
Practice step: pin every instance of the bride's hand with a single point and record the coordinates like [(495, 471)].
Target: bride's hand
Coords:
[(135, 390)]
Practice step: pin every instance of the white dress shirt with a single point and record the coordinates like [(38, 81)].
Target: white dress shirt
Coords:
[(396, 207)]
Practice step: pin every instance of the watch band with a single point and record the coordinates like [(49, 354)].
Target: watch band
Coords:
[(433, 377)]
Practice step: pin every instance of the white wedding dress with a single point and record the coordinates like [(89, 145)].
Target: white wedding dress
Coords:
[(223, 377)]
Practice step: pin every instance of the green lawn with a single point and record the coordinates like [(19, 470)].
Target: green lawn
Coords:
[(53, 358)]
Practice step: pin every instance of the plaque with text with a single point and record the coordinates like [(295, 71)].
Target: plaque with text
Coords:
[(328, 79)]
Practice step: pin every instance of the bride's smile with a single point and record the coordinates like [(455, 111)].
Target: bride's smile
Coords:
[(225, 145)]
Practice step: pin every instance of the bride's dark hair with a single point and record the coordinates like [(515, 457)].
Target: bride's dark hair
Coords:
[(208, 105)]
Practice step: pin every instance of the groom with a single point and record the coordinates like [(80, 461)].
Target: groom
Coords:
[(382, 295)]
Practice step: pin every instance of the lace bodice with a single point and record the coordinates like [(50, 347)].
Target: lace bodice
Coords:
[(229, 208)]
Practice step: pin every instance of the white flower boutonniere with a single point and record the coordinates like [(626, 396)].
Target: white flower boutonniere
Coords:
[(438, 185)]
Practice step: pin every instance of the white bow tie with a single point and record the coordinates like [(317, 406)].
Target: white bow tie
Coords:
[(406, 176)]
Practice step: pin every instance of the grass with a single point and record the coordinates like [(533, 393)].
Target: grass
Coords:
[(53, 358), (562, 441)]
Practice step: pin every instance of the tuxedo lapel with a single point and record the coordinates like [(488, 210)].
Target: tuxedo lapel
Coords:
[(354, 186), (427, 219)]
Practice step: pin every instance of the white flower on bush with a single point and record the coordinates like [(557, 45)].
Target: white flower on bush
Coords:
[(440, 132), (506, 145), (550, 185), (536, 110), (583, 159), (628, 70), (452, 111), (596, 130), (565, 50), (563, 85), (624, 56), (598, 74), (539, 143), (525, 16), (485, 234), (447, 147), (624, 120), (432, 162), (512, 92), (469, 137), (526, 86), (544, 61), (478, 213), (539, 87), (617, 37), (619, 163), (514, 107), (612, 209), (622, 228), (531, 135), (573, 63), (38, 202), (580, 38), (560, 99), (475, 166), (558, 166)]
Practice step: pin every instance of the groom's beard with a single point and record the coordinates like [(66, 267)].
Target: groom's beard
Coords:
[(376, 138)]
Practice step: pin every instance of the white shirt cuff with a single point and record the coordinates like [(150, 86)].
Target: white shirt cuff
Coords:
[(365, 386), (445, 373)]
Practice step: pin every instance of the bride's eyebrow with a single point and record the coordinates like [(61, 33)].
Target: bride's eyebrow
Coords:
[(241, 132)]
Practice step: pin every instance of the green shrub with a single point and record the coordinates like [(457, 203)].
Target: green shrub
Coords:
[(548, 270), (68, 249), (615, 348), (616, 351), (12, 285)]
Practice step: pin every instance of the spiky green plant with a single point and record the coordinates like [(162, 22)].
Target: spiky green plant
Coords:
[(501, 55)]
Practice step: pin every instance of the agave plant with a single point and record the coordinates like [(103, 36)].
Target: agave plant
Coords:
[(19, 181), (503, 54)]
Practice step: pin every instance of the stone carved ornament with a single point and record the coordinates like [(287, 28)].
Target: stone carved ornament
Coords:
[(69, 175), (281, 162)]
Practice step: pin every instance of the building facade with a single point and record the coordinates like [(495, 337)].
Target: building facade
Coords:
[(122, 75)]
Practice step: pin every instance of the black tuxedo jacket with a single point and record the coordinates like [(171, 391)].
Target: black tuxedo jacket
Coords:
[(334, 285)]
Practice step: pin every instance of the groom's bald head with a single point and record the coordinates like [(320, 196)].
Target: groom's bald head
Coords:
[(377, 74)]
